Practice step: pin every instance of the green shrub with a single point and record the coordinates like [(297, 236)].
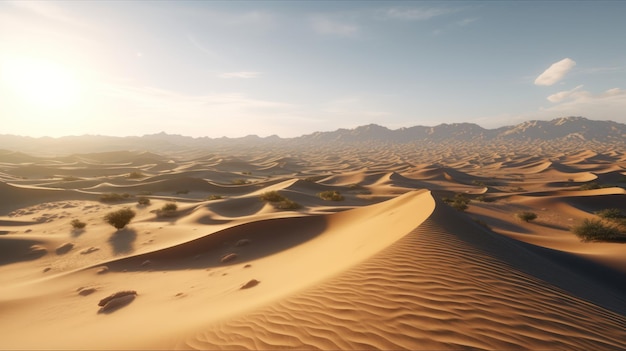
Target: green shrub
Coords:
[(272, 196), (144, 201), (526, 216), (330, 195), (597, 230), (120, 218), (77, 224)]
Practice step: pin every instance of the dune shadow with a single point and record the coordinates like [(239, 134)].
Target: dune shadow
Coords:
[(18, 250), (245, 242), (122, 241)]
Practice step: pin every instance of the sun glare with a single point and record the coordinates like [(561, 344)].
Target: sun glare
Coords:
[(41, 84)]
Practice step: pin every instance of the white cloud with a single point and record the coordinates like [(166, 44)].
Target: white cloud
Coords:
[(609, 104), (555, 72), (326, 25), (562, 95), (243, 75)]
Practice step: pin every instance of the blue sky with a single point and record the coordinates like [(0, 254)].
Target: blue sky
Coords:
[(290, 68)]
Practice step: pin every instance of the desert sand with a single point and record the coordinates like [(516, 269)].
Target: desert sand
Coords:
[(391, 266)]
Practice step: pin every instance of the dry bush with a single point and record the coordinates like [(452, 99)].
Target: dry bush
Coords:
[(526, 216), (77, 224), (120, 218), (272, 196), (143, 201), (597, 230), (330, 195)]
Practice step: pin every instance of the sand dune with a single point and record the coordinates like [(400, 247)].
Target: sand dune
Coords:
[(390, 266)]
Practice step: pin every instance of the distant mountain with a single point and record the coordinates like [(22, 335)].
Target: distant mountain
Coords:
[(566, 128)]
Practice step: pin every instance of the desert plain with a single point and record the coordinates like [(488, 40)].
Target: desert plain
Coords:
[(387, 264)]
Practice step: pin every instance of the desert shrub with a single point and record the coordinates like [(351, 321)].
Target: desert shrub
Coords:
[(313, 179), (77, 224), (136, 175), (526, 216), (459, 202), (214, 197), (240, 181), (330, 195), (120, 218), (144, 201), (113, 197), (169, 207), (478, 182), (590, 186), (610, 213), (287, 204), (272, 196), (597, 230)]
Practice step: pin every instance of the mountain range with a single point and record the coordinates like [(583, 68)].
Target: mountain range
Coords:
[(560, 129)]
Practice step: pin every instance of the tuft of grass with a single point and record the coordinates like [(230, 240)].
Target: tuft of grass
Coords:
[(120, 218), (597, 230), (77, 224), (330, 195), (526, 216)]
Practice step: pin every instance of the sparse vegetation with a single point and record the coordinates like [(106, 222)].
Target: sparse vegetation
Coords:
[(169, 207), (143, 201), (313, 179), (78, 224), (214, 197), (240, 181), (136, 175), (610, 214), (598, 230), (114, 197), (120, 218), (272, 196), (593, 186), (331, 195), (459, 202), (287, 204), (526, 216)]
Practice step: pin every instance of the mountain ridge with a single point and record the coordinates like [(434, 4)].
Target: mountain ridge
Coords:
[(564, 128)]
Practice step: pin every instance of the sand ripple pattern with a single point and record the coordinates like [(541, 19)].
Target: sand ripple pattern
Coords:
[(430, 290)]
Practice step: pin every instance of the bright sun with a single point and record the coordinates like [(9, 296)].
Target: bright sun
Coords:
[(41, 84)]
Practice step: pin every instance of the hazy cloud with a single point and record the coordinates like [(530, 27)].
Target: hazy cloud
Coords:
[(555, 72), (416, 14), (243, 75), (331, 26), (606, 105), (562, 95)]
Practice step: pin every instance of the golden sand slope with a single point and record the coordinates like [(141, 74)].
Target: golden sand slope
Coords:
[(441, 287)]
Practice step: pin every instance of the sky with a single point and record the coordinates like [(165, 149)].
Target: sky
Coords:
[(235, 68)]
